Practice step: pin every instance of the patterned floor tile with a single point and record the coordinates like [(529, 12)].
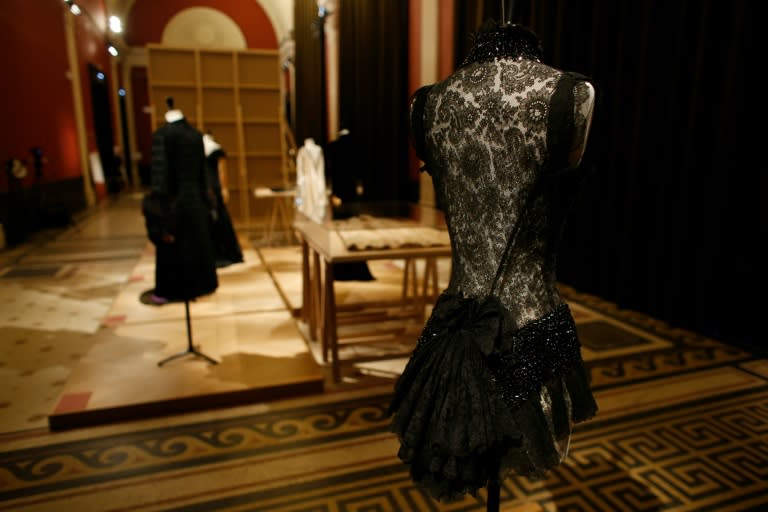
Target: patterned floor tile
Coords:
[(682, 426)]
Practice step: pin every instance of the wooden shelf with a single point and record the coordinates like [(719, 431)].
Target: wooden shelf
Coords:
[(217, 67), (173, 65), (176, 84), (259, 87), (218, 85), (237, 96), (263, 154)]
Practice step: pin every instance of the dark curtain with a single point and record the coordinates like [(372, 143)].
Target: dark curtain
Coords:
[(373, 94), (309, 100), (673, 213)]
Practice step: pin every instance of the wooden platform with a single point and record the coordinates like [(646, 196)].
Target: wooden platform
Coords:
[(247, 327)]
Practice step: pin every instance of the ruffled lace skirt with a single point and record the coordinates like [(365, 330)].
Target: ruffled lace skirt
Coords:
[(477, 402)]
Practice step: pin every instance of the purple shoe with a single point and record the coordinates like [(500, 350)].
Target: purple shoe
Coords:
[(149, 298), (158, 300)]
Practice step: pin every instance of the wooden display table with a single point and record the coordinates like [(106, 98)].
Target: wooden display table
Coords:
[(323, 246)]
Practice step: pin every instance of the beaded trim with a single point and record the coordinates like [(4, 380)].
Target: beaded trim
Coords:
[(504, 41)]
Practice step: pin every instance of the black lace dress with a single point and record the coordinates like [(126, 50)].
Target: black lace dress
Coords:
[(496, 381), (225, 242)]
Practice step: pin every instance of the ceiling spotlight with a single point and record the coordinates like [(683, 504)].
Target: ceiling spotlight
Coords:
[(115, 25), (112, 50), (74, 9)]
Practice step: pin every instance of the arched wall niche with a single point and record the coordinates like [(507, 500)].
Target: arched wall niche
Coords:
[(203, 27), (263, 23)]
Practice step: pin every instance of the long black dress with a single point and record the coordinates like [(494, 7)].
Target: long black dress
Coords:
[(184, 268), (225, 243), (344, 168), (472, 406)]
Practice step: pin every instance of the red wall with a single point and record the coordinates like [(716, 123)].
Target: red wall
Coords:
[(36, 105), (35, 92), (148, 18)]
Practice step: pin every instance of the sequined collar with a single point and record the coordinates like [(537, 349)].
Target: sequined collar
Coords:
[(503, 41)]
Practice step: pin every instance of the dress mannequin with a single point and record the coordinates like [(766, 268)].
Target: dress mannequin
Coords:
[(501, 137), (344, 164), (184, 264), (225, 242), (311, 193)]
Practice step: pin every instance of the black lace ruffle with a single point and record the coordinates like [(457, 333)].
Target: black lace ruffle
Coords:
[(467, 408)]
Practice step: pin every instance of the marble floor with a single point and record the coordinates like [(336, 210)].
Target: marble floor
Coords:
[(682, 425), (80, 348)]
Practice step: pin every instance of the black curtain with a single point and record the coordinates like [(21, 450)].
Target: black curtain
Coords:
[(309, 100), (373, 94), (673, 213)]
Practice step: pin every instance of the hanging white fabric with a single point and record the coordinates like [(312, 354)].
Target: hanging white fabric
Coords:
[(311, 193)]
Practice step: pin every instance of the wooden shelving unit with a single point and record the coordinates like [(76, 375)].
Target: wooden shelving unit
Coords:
[(234, 94)]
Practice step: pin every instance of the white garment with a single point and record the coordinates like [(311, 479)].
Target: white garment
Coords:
[(174, 115), (311, 194), (209, 144)]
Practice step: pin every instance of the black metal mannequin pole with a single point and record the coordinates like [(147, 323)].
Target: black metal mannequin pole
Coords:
[(494, 487), (322, 15), (191, 350), (494, 492)]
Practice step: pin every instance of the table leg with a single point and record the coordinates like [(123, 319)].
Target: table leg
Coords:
[(409, 272), (428, 294), (330, 335), (317, 302), (430, 276), (306, 301)]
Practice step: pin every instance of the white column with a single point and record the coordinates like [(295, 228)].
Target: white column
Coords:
[(77, 100)]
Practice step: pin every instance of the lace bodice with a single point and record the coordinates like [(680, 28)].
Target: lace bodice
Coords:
[(491, 135)]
